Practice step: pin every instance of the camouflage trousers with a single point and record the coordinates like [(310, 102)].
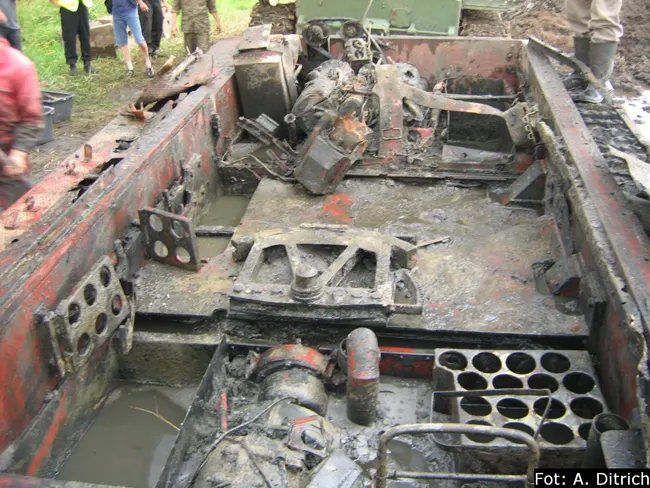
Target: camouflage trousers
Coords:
[(197, 39)]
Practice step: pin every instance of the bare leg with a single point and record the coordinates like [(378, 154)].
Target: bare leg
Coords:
[(126, 52), (145, 54)]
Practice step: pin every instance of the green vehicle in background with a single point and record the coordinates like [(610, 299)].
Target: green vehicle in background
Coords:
[(381, 17)]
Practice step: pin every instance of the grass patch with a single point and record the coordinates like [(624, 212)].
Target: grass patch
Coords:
[(99, 98)]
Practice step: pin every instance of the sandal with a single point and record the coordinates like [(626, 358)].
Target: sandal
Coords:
[(150, 72), (129, 72)]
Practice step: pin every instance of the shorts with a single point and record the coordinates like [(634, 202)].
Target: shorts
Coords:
[(120, 23)]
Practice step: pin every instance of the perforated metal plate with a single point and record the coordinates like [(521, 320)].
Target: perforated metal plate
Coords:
[(169, 238), (576, 397), (88, 317)]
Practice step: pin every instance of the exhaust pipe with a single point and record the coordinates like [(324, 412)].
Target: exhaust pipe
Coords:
[(363, 376), (603, 422)]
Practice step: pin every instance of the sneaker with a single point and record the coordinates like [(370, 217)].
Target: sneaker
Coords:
[(73, 70), (150, 72), (90, 70), (129, 72)]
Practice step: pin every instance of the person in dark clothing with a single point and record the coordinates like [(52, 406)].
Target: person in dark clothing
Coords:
[(75, 22), (152, 24), (9, 27)]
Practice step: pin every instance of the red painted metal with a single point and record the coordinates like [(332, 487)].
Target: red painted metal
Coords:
[(290, 355), (610, 240), (50, 257)]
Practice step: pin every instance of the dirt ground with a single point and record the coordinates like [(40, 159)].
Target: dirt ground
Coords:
[(545, 19)]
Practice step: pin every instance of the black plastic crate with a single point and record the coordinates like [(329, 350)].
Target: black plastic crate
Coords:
[(48, 118), (60, 102)]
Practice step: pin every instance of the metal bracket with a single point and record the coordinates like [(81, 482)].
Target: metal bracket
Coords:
[(169, 238), (85, 320), (305, 274)]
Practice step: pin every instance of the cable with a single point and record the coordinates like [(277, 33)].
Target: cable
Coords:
[(218, 440)]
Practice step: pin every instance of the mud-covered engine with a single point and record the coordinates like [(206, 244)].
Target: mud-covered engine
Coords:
[(285, 437)]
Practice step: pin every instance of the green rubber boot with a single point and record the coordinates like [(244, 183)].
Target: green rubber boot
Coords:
[(581, 49), (601, 62)]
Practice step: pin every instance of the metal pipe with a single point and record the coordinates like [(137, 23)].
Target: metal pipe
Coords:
[(290, 120), (603, 422), (448, 428), (456, 476), (362, 394)]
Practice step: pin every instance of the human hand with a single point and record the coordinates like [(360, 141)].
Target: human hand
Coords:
[(143, 7), (166, 7), (18, 164), (3, 17)]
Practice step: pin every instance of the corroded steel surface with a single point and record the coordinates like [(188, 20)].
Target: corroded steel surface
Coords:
[(610, 242), (44, 268)]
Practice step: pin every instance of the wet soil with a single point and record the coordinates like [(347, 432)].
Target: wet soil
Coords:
[(545, 19)]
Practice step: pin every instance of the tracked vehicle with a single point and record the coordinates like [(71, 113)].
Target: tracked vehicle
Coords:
[(419, 265)]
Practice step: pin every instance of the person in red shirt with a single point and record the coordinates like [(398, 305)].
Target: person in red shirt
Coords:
[(21, 121)]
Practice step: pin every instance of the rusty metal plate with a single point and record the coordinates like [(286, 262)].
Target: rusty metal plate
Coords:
[(334, 274), (257, 37), (569, 375), (170, 238), (88, 317)]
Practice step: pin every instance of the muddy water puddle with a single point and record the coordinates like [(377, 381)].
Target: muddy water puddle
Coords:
[(210, 247), (226, 210), (126, 445)]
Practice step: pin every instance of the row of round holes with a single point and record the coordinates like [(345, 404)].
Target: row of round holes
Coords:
[(517, 362), (90, 297), (162, 252), (576, 382), (177, 231), (583, 407), (552, 432)]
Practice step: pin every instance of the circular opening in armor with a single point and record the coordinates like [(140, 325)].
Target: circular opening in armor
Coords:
[(506, 381), (160, 249), (583, 430), (555, 363), (177, 229), (512, 408), (105, 275), (541, 381), (453, 360), (476, 406), (480, 438), (486, 362), (520, 363), (83, 344), (556, 411), (519, 426), (116, 305), (90, 294), (555, 433), (183, 255), (579, 383), (586, 407), (472, 381), (74, 313), (155, 223), (100, 323)]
